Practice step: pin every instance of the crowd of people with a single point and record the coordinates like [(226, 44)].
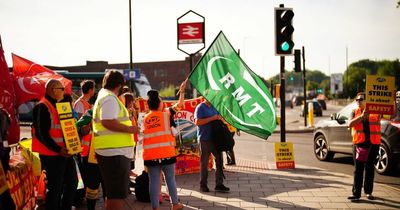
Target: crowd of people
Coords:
[(108, 130)]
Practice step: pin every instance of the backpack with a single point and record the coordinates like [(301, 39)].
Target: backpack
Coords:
[(142, 187), (222, 137)]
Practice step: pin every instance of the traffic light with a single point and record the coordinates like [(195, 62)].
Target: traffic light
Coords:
[(283, 31), (297, 61)]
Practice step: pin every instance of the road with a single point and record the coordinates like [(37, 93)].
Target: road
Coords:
[(253, 148)]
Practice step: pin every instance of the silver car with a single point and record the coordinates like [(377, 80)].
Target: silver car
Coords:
[(333, 136)]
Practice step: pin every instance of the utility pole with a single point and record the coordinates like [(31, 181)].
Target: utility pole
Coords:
[(304, 87), (130, 44)]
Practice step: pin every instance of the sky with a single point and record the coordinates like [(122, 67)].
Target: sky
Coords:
[(69, 33)]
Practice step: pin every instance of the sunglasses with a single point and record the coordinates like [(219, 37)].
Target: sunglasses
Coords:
[(60, 88), (361, 99)]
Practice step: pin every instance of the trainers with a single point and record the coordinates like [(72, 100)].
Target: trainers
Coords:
[(221, 188), (231, 164), (177, 206), (370, 197), (353, 198), (166, 197)]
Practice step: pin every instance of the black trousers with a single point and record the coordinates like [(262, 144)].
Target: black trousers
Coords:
[(207, 148), (369, 169), (92, 180), (61, 181)]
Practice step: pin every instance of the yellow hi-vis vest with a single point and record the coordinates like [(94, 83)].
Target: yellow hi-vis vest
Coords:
[(107, 139)]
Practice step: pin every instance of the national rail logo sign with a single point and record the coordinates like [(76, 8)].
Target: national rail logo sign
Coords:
[(235, 91), (380, 92)]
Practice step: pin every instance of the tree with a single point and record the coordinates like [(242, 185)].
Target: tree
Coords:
[(355, 75)]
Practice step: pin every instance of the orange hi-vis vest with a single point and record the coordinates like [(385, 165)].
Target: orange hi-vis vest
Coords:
[(374, 129), (86, 139), (55, 132), (158, 141)]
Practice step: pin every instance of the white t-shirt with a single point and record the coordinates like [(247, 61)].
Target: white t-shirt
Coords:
[(109, 110)]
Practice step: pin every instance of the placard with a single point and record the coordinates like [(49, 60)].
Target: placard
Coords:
[(70, 132), (380, 94), (284, 155)]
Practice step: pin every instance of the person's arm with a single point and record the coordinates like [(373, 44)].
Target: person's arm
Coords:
[(206, 120), (108, 115), (356, 120), (42, 123), (181, 100)]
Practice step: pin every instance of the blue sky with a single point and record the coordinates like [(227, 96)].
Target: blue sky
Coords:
[(61, 33)]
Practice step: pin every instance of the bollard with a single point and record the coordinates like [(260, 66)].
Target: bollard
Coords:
[(310, 115)]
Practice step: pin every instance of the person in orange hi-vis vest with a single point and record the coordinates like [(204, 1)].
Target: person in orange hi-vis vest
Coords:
[(159, 152), (48, 141), (366, 132), (81, 106)]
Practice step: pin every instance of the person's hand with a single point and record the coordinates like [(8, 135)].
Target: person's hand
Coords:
[(64, 152), (182, 87), (133, 129), (217, 117)]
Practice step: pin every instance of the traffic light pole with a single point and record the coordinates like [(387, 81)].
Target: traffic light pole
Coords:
[(304, 87), (282, 95)]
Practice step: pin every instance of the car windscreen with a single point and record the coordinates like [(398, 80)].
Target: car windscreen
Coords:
[(345, 113)]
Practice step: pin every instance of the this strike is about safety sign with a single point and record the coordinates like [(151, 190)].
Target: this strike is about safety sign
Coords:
[(379, 92)]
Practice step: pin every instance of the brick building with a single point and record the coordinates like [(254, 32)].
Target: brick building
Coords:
[(160, 74)]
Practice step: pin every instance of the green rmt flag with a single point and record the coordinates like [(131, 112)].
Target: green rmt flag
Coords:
[(235, 91)]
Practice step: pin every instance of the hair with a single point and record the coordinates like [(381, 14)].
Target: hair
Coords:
[(113, 79), (154, 100), (128, 98), (361, 94), (87, 85)]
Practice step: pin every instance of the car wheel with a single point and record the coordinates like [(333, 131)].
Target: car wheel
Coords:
[(321, 149), (383, 160)]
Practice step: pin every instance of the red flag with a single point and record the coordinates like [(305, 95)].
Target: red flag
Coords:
[(30, 79), (7, 98)]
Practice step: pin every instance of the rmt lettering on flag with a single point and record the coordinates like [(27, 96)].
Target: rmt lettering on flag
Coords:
[(236, 92)]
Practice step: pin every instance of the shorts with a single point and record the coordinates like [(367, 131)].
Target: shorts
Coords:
[(115, 171)]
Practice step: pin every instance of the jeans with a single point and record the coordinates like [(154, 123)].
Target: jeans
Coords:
[(154, 178), (61, 181), (369, 172), (207, 148)]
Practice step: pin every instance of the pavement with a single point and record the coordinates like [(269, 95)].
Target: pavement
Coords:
[(259, 185)]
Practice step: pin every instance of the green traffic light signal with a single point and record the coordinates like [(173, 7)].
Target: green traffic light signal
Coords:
[(285, 46)]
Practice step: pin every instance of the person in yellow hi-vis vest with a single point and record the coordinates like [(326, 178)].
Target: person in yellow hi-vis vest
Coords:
[(113, 143)]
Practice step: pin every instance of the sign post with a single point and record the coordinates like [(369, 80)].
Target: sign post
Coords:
[(191, 32)]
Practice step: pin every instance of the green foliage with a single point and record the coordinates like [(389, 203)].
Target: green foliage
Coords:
[(168, 91), (354, 77)]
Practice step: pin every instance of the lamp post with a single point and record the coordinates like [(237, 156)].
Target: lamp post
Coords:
[(130, 44)]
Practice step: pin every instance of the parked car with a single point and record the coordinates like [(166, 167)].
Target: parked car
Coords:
[(333, 136), (297, 100), (316, 106), (323, 103)]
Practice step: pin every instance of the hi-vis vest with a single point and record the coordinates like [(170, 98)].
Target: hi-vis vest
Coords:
[(86, 139), (158, 141), (374, 129), (55, 132), (104, 138)]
